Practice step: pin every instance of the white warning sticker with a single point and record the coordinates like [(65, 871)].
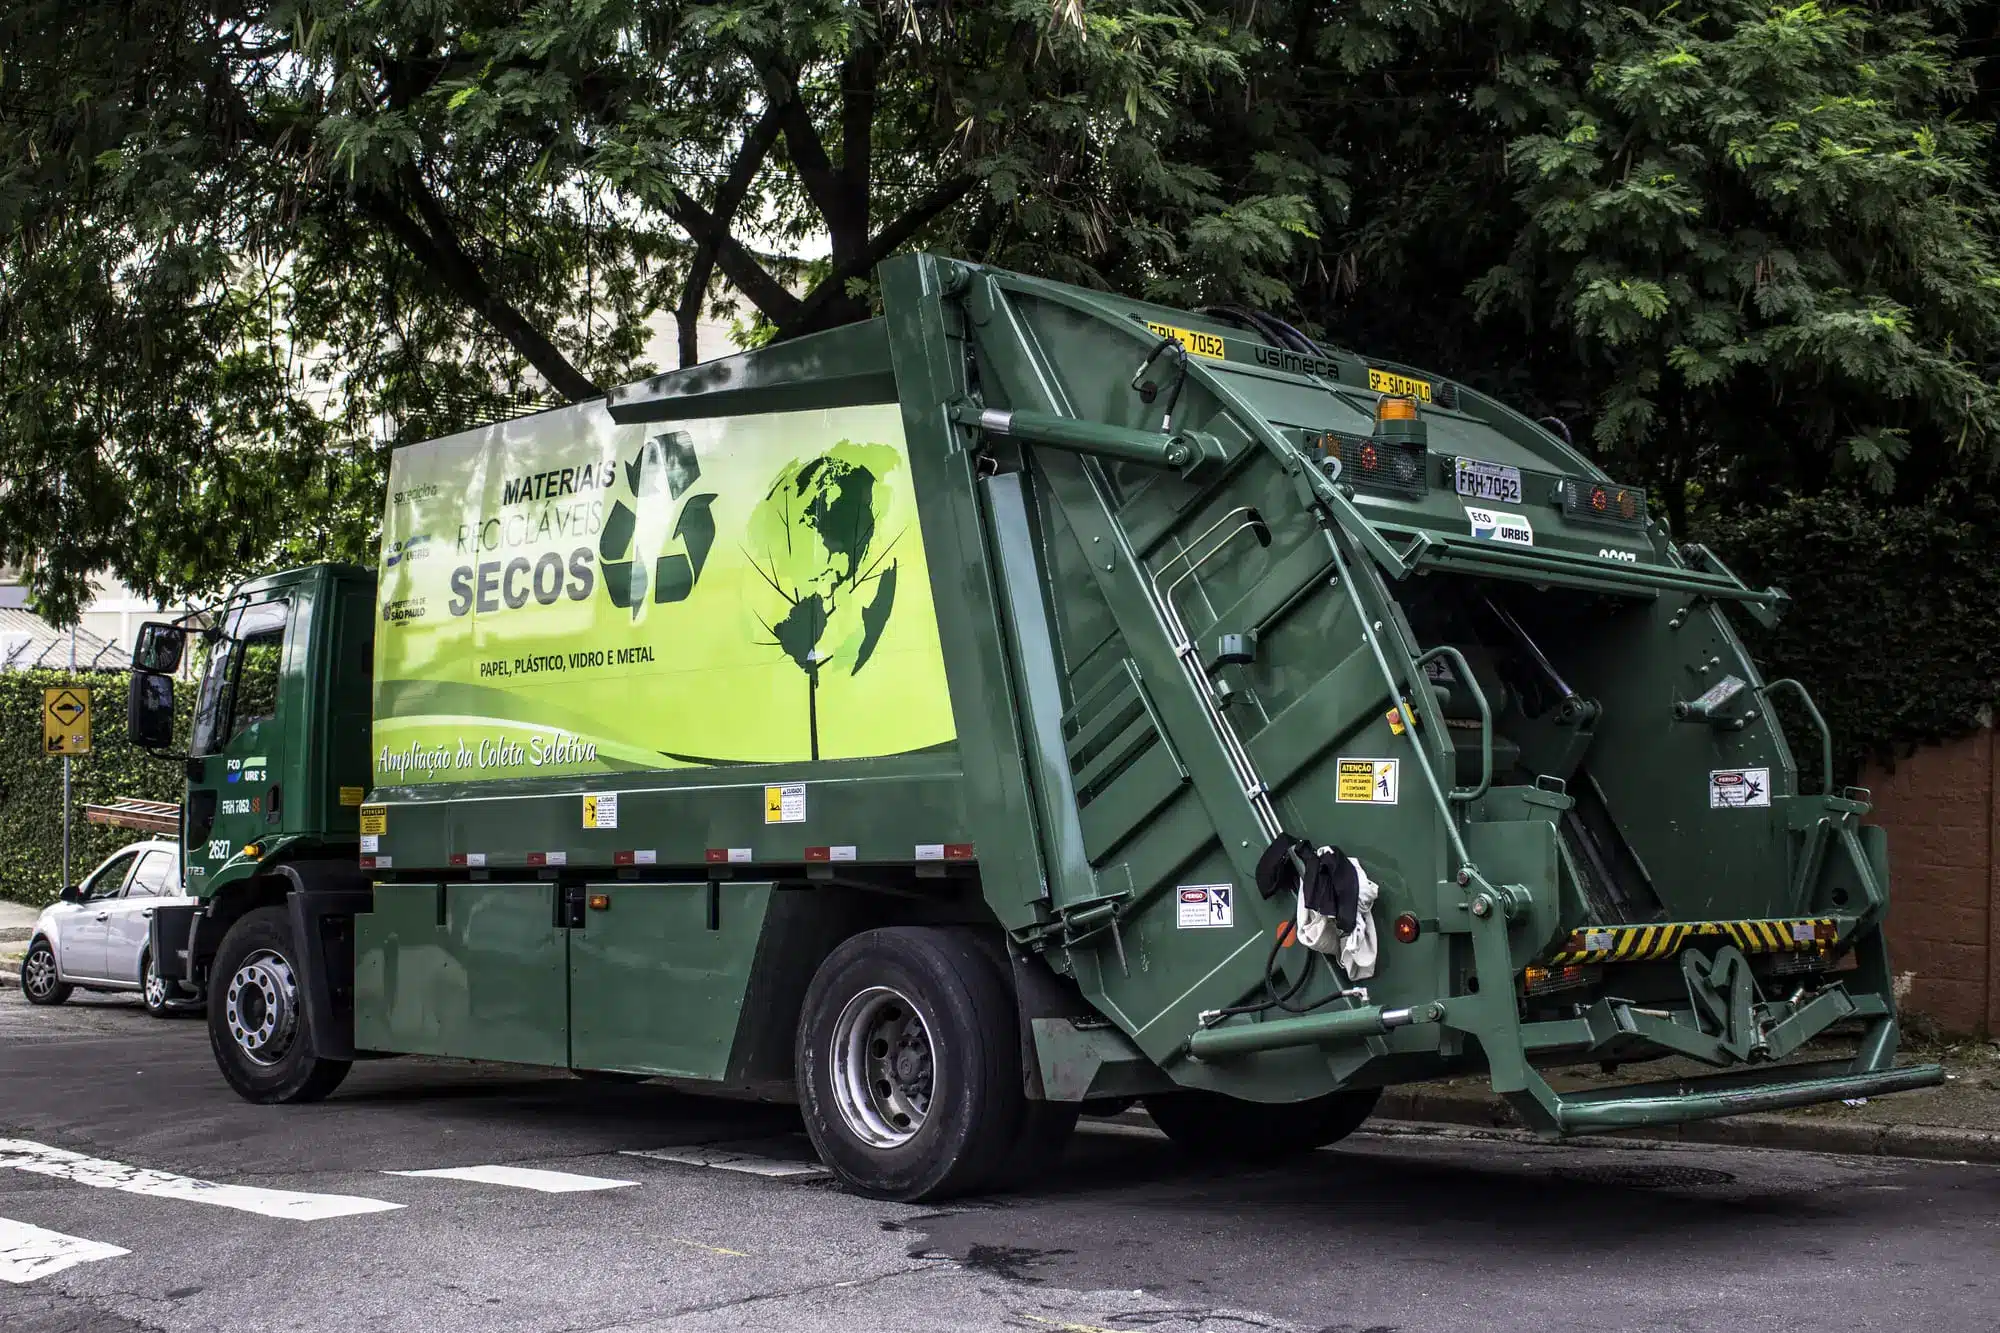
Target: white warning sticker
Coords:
[(1739, 788), (1206, 906)]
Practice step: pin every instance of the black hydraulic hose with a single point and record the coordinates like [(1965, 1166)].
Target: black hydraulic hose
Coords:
[(1533, 650), (1272, 999), (1274, 331)]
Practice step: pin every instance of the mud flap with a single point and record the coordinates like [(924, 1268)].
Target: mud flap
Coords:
[(171, 941), (323, 925)]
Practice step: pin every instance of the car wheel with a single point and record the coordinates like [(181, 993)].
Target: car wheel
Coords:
[(256, 1022), (908, 1064), (1230, 1129), (153, 987), (40, 981)]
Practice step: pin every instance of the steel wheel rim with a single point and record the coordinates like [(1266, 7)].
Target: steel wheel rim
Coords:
[(38, 973), (884, 1074), (156, 985), (262, 1007)]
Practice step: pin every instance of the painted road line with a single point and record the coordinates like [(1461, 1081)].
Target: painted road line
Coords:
[(521, 1177), (99, 1173), (725, 1158), (27, 1253)]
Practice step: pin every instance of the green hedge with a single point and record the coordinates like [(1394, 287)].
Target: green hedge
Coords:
[(31, 783), (1895, 622)]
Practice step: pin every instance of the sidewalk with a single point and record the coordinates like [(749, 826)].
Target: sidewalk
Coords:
[(16, 920), (1957, 1121)]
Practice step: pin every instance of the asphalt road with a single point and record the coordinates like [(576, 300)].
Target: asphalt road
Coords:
[(1386, 1232)]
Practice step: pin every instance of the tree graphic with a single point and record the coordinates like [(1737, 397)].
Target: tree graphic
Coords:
[(817, 540)]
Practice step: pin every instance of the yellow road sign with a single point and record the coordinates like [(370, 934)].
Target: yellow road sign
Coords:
[(66, 720)]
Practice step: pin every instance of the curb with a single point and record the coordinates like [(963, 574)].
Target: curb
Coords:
[(1417, 1104)]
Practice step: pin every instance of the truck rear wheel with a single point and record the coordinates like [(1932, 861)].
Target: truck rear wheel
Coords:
[(256, 1022), (1231, 1129), (908, 1064)]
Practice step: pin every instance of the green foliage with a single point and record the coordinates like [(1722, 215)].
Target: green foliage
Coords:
[(1753, 215), (244, 248), (31, 782), (1740, 248), (1895, 622)]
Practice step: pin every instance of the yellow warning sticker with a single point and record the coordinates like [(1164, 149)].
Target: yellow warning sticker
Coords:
[(600, 811), (375, 819), (1368, 781), (785, 804), (353, 795), (1403, 386), (1209, 345)]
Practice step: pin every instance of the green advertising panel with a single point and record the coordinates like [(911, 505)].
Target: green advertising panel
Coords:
[(564, 595)]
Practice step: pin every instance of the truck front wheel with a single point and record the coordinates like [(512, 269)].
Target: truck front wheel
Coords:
[(1231, 1129), (256, 1023), (909, 1064)]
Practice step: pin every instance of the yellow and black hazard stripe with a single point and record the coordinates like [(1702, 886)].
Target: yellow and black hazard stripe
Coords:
[(1606, 944)]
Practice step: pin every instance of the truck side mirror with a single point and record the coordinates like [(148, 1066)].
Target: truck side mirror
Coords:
[(149, 710), (159, 648)]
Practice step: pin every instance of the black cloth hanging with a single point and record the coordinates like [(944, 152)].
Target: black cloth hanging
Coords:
[(1323, 877)]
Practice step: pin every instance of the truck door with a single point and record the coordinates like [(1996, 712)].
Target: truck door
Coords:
[(238, 748)]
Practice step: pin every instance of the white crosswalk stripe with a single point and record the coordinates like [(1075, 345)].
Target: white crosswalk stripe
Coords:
[(100, 1173), (28, 1252), (733, 1159), (521, 1177)]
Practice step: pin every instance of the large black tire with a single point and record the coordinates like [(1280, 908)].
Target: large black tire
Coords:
[(255, 1024), (1218, 1127), (950, 1084), (40, 981)]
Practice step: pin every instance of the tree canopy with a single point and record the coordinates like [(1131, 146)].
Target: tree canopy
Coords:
[(246, 247)]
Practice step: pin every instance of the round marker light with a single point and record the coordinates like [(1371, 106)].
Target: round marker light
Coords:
[(1369, 459), (1628, 505), (1599, 500), (1407, 929)]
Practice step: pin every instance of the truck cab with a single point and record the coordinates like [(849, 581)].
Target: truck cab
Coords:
[(277, 756)]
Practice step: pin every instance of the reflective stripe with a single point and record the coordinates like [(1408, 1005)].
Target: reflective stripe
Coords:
[(1641, 943)]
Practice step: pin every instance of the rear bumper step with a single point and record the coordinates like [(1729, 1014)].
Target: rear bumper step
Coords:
[(1674, 1101)]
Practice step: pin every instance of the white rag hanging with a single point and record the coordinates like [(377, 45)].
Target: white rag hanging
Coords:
[(1357, 948)]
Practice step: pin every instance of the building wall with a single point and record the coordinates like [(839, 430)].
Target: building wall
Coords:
[(1941, 809)]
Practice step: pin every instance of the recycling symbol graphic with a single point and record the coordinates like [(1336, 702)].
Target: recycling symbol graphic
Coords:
[(637, 548)]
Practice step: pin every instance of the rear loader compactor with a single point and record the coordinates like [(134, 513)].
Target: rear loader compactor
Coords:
[(1026, 701)]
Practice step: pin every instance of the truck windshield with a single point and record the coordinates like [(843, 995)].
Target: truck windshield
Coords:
[(240, 685)]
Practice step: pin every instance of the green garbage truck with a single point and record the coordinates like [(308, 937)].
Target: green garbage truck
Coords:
[(1024, 701)]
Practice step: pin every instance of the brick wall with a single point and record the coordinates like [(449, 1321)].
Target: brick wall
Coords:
[(1940, 808)]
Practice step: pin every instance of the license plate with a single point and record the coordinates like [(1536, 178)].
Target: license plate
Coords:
[(1480, 480), (1403, 386)]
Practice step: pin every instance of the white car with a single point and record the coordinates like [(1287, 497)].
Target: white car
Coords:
[(98, 935)]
